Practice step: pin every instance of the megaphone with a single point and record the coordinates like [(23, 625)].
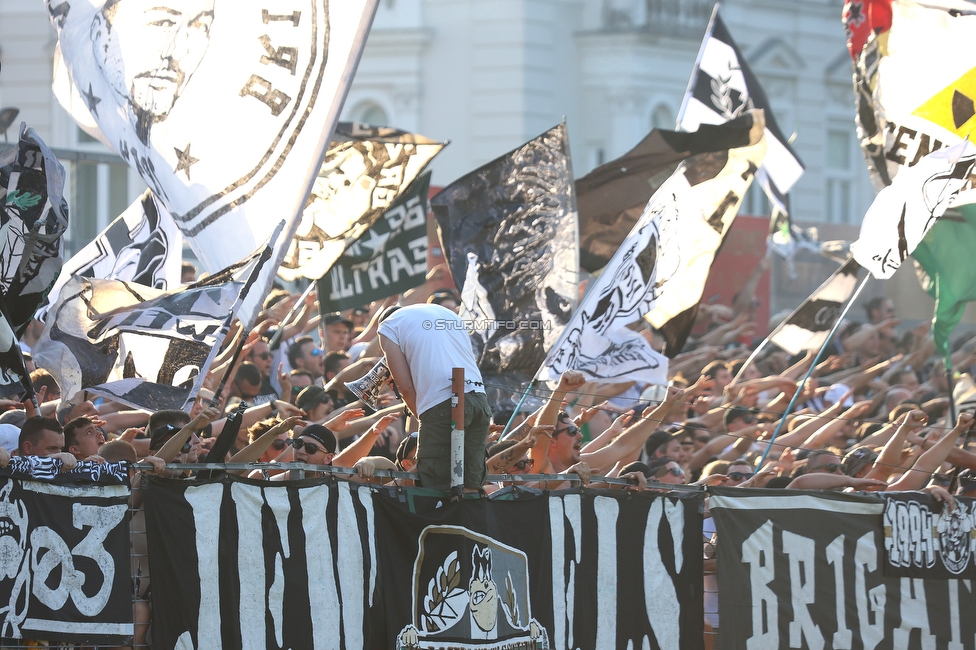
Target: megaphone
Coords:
[(369, 387)]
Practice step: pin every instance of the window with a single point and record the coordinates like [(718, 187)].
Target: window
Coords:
[(837, 175), (662, 118), (371, 113)]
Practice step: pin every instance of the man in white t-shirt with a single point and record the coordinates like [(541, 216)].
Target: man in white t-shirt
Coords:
[(422, 344)]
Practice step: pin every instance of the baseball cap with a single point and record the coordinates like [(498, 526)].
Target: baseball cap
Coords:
[(407, 445), (321, 434), (312, 396), (336, 317), (9, 437)]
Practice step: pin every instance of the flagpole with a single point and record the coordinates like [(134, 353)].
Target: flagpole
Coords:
[(803, 382), (225, 328), (695, 71), (752, 356), (291, 312), (518, 408)]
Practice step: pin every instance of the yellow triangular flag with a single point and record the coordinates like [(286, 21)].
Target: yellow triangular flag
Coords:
[(953, 107)]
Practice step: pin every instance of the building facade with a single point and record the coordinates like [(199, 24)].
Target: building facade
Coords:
[(490, 74)]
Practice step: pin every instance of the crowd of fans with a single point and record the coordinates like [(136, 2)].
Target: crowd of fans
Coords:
[(874, 415)]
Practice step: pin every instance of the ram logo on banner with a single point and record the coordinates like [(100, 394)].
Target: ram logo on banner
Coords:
[(924, 539), (366, 169), (470, 585), (326, 564), (64, 569), (809, 570), (143, 245), (390, 258)]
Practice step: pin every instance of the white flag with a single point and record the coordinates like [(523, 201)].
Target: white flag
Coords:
[(660, 269), (905, 210), (143, 245), (225, 107)]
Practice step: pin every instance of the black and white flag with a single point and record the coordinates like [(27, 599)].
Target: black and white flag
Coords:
[(366, 169), (33, 220), (390, 258), (721, 88), (509, 229), (659, 271), (810, 323), (64, 570), (326, 564), (224, 107), (925, 539), (107, 330), (142, 245), (808, 570), (903, 212)]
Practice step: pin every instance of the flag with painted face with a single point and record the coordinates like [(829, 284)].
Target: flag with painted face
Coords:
[(224, 107)]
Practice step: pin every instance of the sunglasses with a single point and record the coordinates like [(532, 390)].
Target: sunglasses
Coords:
[(317, 352), (524, 463), (703, 439), (572, 432), (264, 355), (740, 476), (310, 447), (674, 471), (295, 390), (278, 444)]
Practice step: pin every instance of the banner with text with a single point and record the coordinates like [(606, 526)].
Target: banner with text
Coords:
[(390, 258), (808, 570), (318, 564), (64, 562)]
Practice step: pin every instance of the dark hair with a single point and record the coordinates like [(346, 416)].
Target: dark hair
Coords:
[(332, 360), (874, 303), (736, 412), (71, 430), (502, 417), (501, 446), (440, 297), (295, 349), (34, 428), (636, 466), (657, 439), (160, 419), (301, 373), (248, 372), (276, 296), (713, 367)]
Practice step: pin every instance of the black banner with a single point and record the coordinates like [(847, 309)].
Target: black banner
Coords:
[(390, 258), (925, 539), (239, 563), (807, 570), (509, 230), (64, 562)]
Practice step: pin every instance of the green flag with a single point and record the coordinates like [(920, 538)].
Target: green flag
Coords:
[(946, 255)]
